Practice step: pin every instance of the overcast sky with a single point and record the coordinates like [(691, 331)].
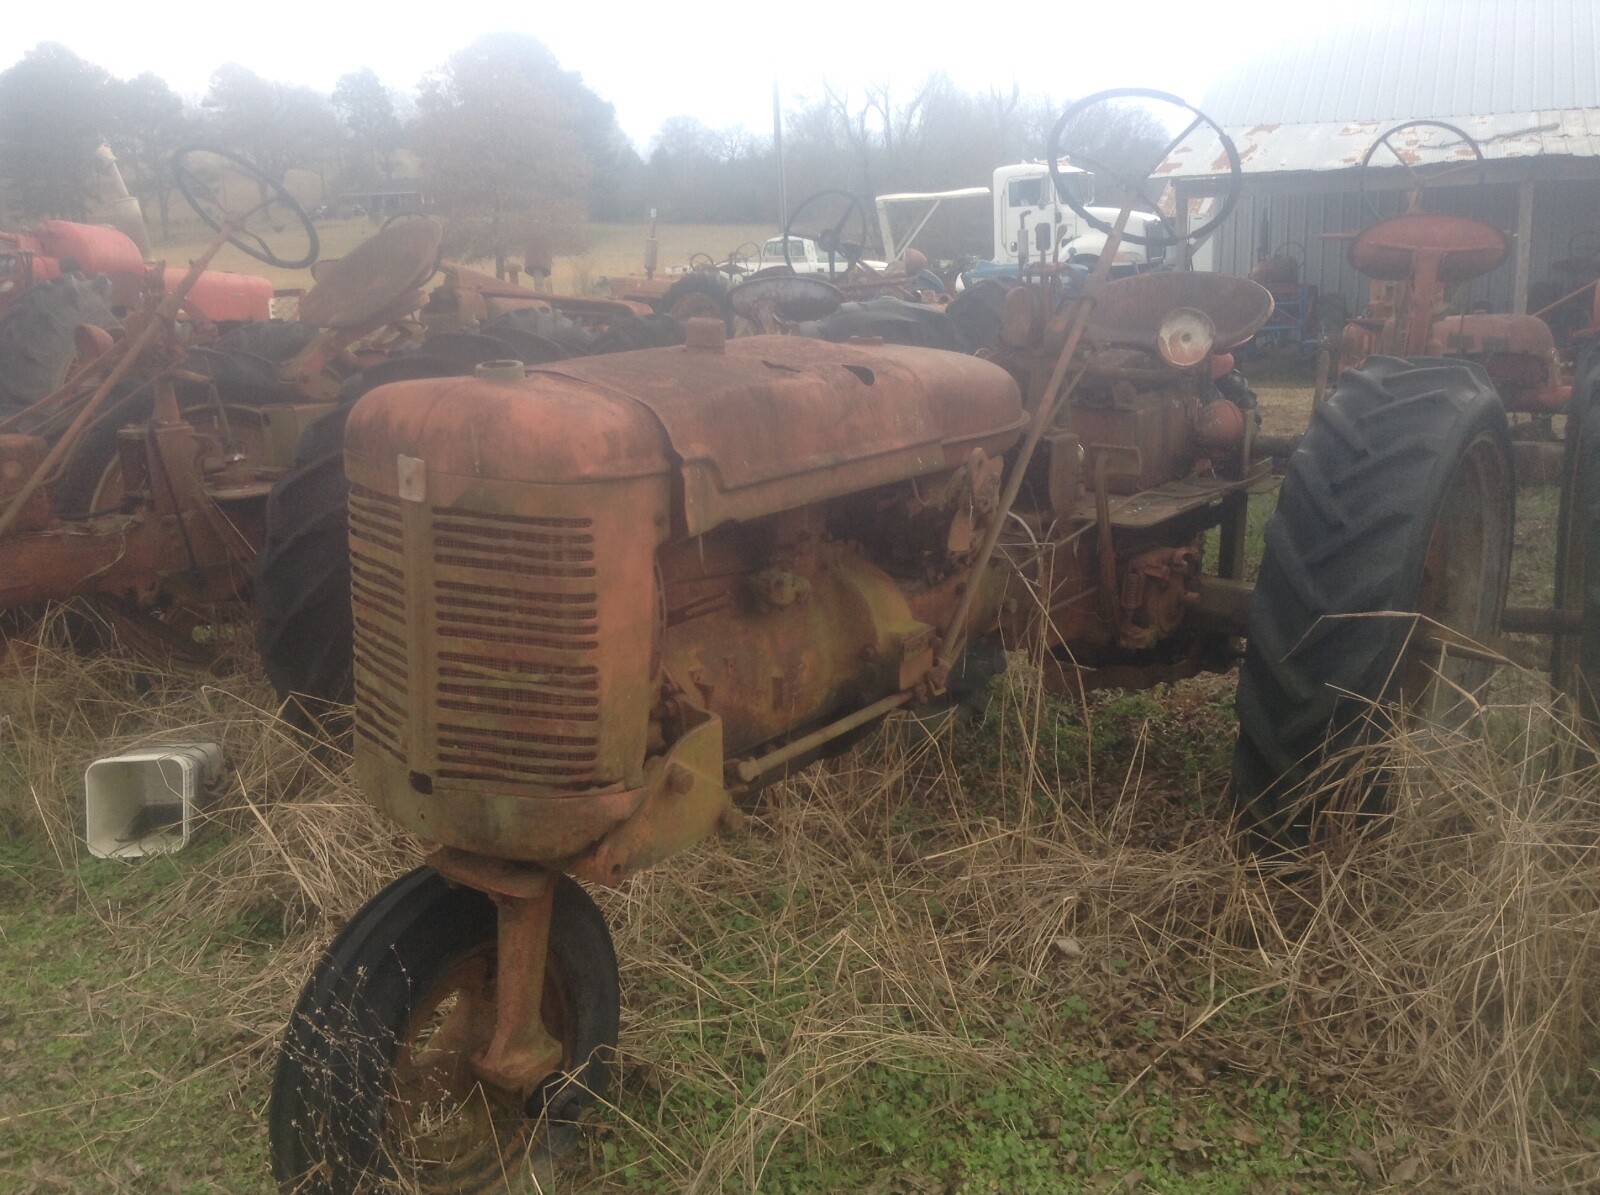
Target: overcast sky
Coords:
[(712, 60)]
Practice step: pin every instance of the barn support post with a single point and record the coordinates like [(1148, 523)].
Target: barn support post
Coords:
[(1519, 285), (1181, 199)]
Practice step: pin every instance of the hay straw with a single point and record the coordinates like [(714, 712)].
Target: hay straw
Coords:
[(893, 908)]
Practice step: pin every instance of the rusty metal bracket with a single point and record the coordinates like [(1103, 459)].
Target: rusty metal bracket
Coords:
[(684, 802), (521, 1052), (1055, 393)]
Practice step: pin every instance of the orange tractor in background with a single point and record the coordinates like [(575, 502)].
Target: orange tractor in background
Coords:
[(54, 247), (1417, 259)]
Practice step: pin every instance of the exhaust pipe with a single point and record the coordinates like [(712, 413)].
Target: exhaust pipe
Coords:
[(126, 216)]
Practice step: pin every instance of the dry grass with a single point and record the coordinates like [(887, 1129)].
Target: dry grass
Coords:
[(965, 903)]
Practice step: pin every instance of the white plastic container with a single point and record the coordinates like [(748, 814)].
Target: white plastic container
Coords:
[(144, 802)]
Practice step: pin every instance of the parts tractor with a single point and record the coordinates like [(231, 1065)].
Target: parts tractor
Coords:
[(122, 254), (599, 603), (139, 485)]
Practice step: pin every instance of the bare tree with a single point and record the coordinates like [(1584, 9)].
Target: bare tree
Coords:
[(366, 110), (501, 151), (53, 116), (277, 126), (148, 122)]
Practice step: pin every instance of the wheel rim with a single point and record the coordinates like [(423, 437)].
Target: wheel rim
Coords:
[(447, 1131), (1462, 587)]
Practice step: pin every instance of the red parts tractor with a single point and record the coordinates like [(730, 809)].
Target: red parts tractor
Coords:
[(140, 482), (54, 247)]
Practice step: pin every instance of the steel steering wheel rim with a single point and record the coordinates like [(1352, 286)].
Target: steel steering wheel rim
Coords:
[(188, 184), (1230, 196), (1365, 165), (853, 207)]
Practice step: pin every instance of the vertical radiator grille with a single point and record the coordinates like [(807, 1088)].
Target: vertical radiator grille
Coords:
[(511, 643), (378, 596)]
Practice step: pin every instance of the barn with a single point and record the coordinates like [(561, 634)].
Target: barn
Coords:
[(1521, 78)]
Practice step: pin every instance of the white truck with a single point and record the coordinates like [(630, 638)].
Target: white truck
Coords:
[(1027, 210), (807, 258)]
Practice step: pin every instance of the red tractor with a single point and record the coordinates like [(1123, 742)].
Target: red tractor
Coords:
[(1416, 259), (54, 247), (598, 603), (138, 484)]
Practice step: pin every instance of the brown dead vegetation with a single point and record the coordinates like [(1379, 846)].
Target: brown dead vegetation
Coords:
[(1440, 977)]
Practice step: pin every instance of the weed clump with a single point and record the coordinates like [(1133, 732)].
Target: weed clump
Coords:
[(1025, 954)]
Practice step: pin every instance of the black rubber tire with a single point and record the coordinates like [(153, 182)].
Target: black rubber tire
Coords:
[(275, 340), (977, 312), (37, 344), (1351, 535), (571, 336), (327, 1119), (1575, 659), (302, 590), (895, 321), (697, 284), (644, 332)]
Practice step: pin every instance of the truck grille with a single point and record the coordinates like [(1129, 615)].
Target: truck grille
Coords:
[(512, 642)]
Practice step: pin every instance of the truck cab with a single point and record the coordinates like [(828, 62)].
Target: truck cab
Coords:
[(1032, 219), (807, 257)]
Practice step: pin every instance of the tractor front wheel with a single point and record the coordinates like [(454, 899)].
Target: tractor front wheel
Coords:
[(1394, 521), (374, 1086)]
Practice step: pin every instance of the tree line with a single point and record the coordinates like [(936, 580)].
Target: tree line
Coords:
[(509, 148)]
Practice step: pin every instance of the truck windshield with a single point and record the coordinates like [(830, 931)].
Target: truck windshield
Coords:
[(772, 251), (1035, 191)]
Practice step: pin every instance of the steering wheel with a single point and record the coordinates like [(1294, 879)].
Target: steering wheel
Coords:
[(1136, 187), (702, 261), (831, 240), (1415, 169), (739, 259), (200, 196)]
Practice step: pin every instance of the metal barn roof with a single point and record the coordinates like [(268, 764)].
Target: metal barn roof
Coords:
[(1270, 148), (1422, 58)]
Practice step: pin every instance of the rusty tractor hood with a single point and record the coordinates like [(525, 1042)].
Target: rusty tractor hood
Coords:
[(768, 423)]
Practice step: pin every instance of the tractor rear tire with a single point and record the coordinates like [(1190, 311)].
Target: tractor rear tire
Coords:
[(1575, 658), (303, 592), (37, 341), (699, 295), (302, 580), (1399, 501)]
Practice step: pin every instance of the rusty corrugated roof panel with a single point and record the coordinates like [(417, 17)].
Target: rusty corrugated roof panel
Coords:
[(1339, 145), (1407, 59)]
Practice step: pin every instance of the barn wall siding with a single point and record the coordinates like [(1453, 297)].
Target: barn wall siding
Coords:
[(1566, 223)]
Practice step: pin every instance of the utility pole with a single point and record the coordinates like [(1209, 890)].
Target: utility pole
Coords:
[(777, 148)]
